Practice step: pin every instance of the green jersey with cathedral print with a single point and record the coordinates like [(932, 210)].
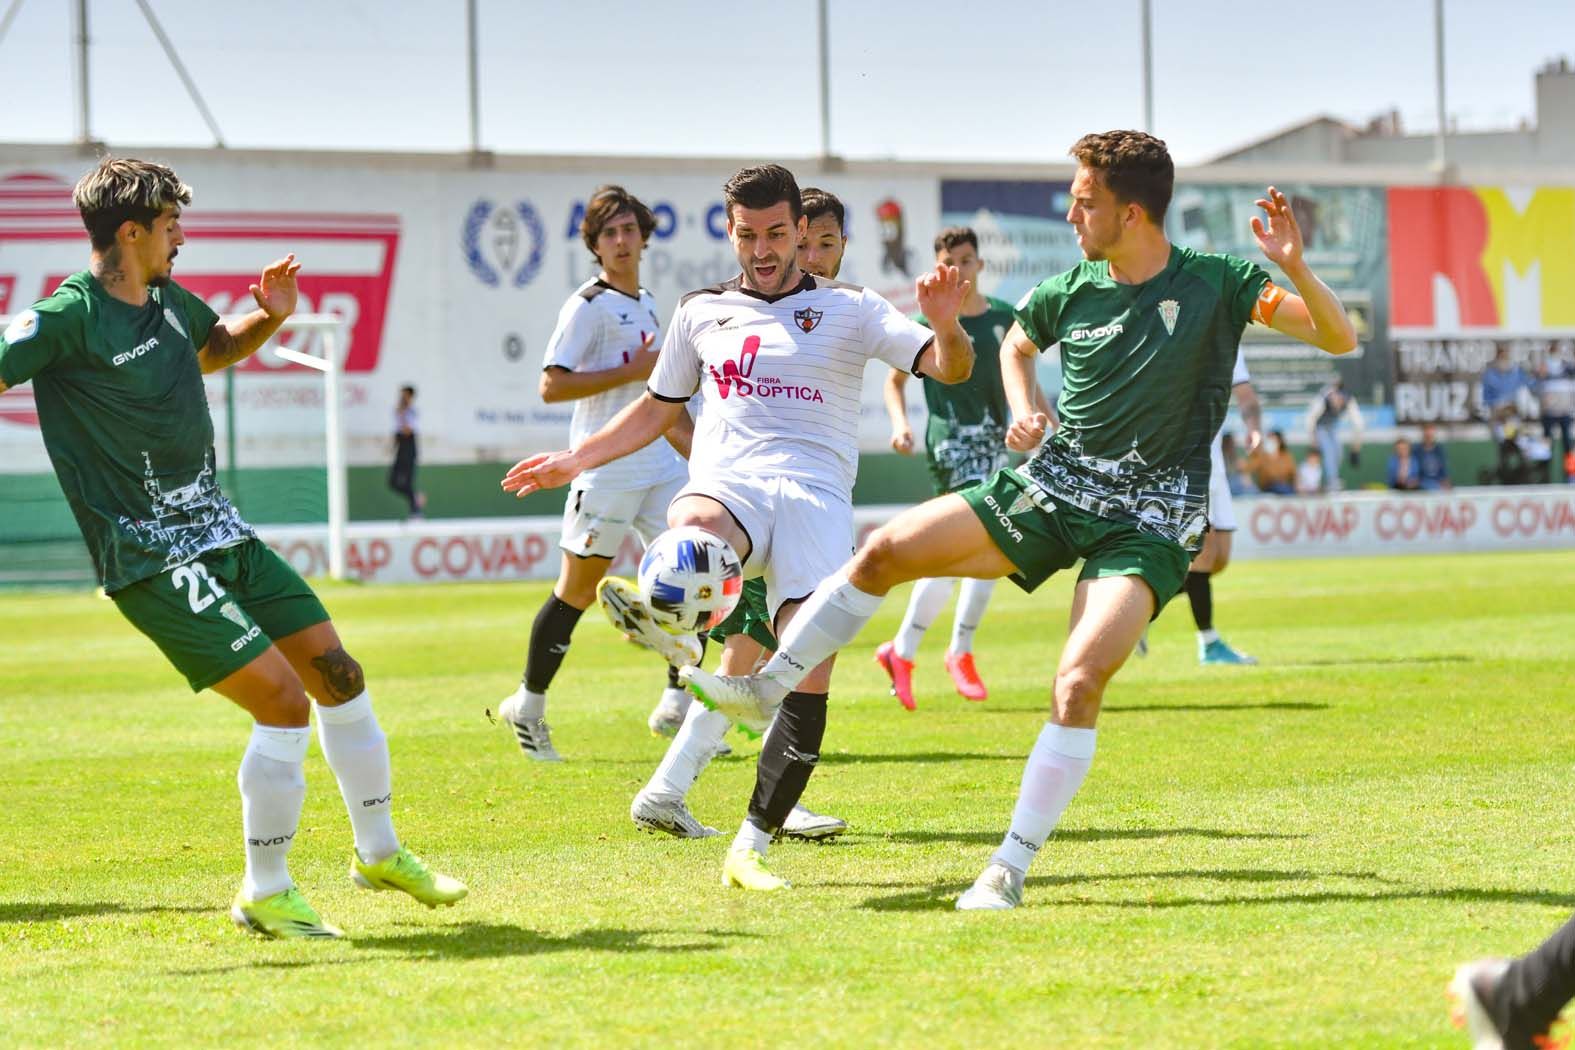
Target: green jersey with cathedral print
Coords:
[(1146, 379), (965, 438), (125, 420)]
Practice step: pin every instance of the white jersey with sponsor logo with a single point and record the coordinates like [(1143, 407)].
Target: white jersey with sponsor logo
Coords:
[(598, 328), (780, 376)]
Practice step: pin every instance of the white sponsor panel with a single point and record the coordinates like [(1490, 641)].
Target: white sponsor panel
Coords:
[(1475, 519), (478, 549), (449, 279)]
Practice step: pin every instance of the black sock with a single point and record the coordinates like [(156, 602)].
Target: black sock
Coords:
[(1202, 597), (1535, 988), (787, 758), (672, 672), (549, 642)]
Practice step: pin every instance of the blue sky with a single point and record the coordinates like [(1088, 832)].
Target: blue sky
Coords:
[(911, 79)]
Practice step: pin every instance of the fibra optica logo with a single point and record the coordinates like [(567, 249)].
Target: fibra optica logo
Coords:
[(737, 377), (504, 243)]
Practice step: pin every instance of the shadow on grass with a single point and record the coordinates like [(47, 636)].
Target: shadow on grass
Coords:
[(494, 941), (943, 896), (918, 756), (1338, 661), (991, 838), (1267, 705), (54, 911)]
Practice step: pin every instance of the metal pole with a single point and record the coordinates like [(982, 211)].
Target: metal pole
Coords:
[(9, 17), (84, 132), (1148, 66), (1441, 145), (338, 497), (472, 64), (825, 82), (180, 71)]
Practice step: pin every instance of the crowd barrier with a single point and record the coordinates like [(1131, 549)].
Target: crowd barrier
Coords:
[(1357, 523)]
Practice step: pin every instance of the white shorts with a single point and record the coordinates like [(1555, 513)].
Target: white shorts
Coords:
[(1222, 514), (799, 533), (596, 521)]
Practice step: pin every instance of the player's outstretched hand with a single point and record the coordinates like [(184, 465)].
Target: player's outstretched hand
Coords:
[(941, 293), (544, 470), (1281, 239), (1024, 435), (275, 291)]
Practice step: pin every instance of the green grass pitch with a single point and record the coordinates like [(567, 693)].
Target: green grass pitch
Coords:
[(1290, 856)]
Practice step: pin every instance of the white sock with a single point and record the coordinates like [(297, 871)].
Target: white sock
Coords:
[(1054, 771), (675, 699), (692, 748), (830, 619), (357, 752), (924, 605), (971, 603), (751, 837), (272, 780), (1209, 636), (532, 705)]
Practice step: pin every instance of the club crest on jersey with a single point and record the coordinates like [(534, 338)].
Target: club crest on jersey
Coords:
[(807, 319), (1020, 504), (1169, 311), (232, 613)]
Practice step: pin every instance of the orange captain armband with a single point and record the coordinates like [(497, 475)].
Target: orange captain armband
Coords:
[(1269, 300)]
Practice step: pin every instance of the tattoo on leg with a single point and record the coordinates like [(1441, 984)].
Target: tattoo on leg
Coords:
[(341, 675)]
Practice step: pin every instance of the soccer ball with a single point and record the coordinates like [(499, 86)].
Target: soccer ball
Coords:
[(690, 579)]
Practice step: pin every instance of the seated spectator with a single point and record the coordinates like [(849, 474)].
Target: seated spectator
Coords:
[(1432, 464), (1512, 468), (1539, 455), (1274, 468), (1502, 382), (1237, 476), (1404, 475), (1555, 390), (1309, 476)]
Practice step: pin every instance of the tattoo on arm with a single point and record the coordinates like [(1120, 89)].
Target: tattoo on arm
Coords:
[(342, 676)]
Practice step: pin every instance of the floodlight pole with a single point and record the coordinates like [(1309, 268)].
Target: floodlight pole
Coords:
[(825, 81), (472, 64), (84, 132), (1148, 66), (1441, 143)]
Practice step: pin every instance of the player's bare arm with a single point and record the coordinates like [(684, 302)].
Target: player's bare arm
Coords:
[(276, 295), (1029, 422), (681, 435), (562, 384), (893, 393), (1251, 413), (941, 292), (634, 428), (1313, 315)]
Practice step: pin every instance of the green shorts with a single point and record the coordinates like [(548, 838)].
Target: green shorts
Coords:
[(1042, 535), (749, 617), (213, 616)]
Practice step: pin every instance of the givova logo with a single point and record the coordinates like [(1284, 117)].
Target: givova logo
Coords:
[(1104, 331), (1003, 518), (136, 351)]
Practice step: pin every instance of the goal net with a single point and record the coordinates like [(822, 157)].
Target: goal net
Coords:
[(278, 444)]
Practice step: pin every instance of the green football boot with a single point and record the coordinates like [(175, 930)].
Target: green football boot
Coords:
[(404, 871)]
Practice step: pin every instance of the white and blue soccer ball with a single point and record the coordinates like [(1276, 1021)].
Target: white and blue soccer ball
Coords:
[(690, 579)]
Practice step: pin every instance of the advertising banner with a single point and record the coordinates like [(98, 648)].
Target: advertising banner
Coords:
[(450, 280), (1479, 269)]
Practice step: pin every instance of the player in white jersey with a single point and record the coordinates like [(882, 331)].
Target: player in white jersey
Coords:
[(1215, 555), (661, 805), (598, 356), (779, 357)]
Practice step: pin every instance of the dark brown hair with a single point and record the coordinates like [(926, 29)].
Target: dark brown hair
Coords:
[(1135, 166), (121, 189), (761, 187), (607, 202), (953, 236), (817, 202)]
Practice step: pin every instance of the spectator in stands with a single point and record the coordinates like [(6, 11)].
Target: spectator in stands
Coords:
[(1512, 468), (1432, 465), (1502, 382), (1404, 476), (1309, 476), (1555, 390), (1274, 468), (1539, 455), (402, 474), (1333, 404)]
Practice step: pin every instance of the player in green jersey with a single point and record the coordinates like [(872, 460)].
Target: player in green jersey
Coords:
[(746, 634), (116, 356), (965, 443), (1148, 334)]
